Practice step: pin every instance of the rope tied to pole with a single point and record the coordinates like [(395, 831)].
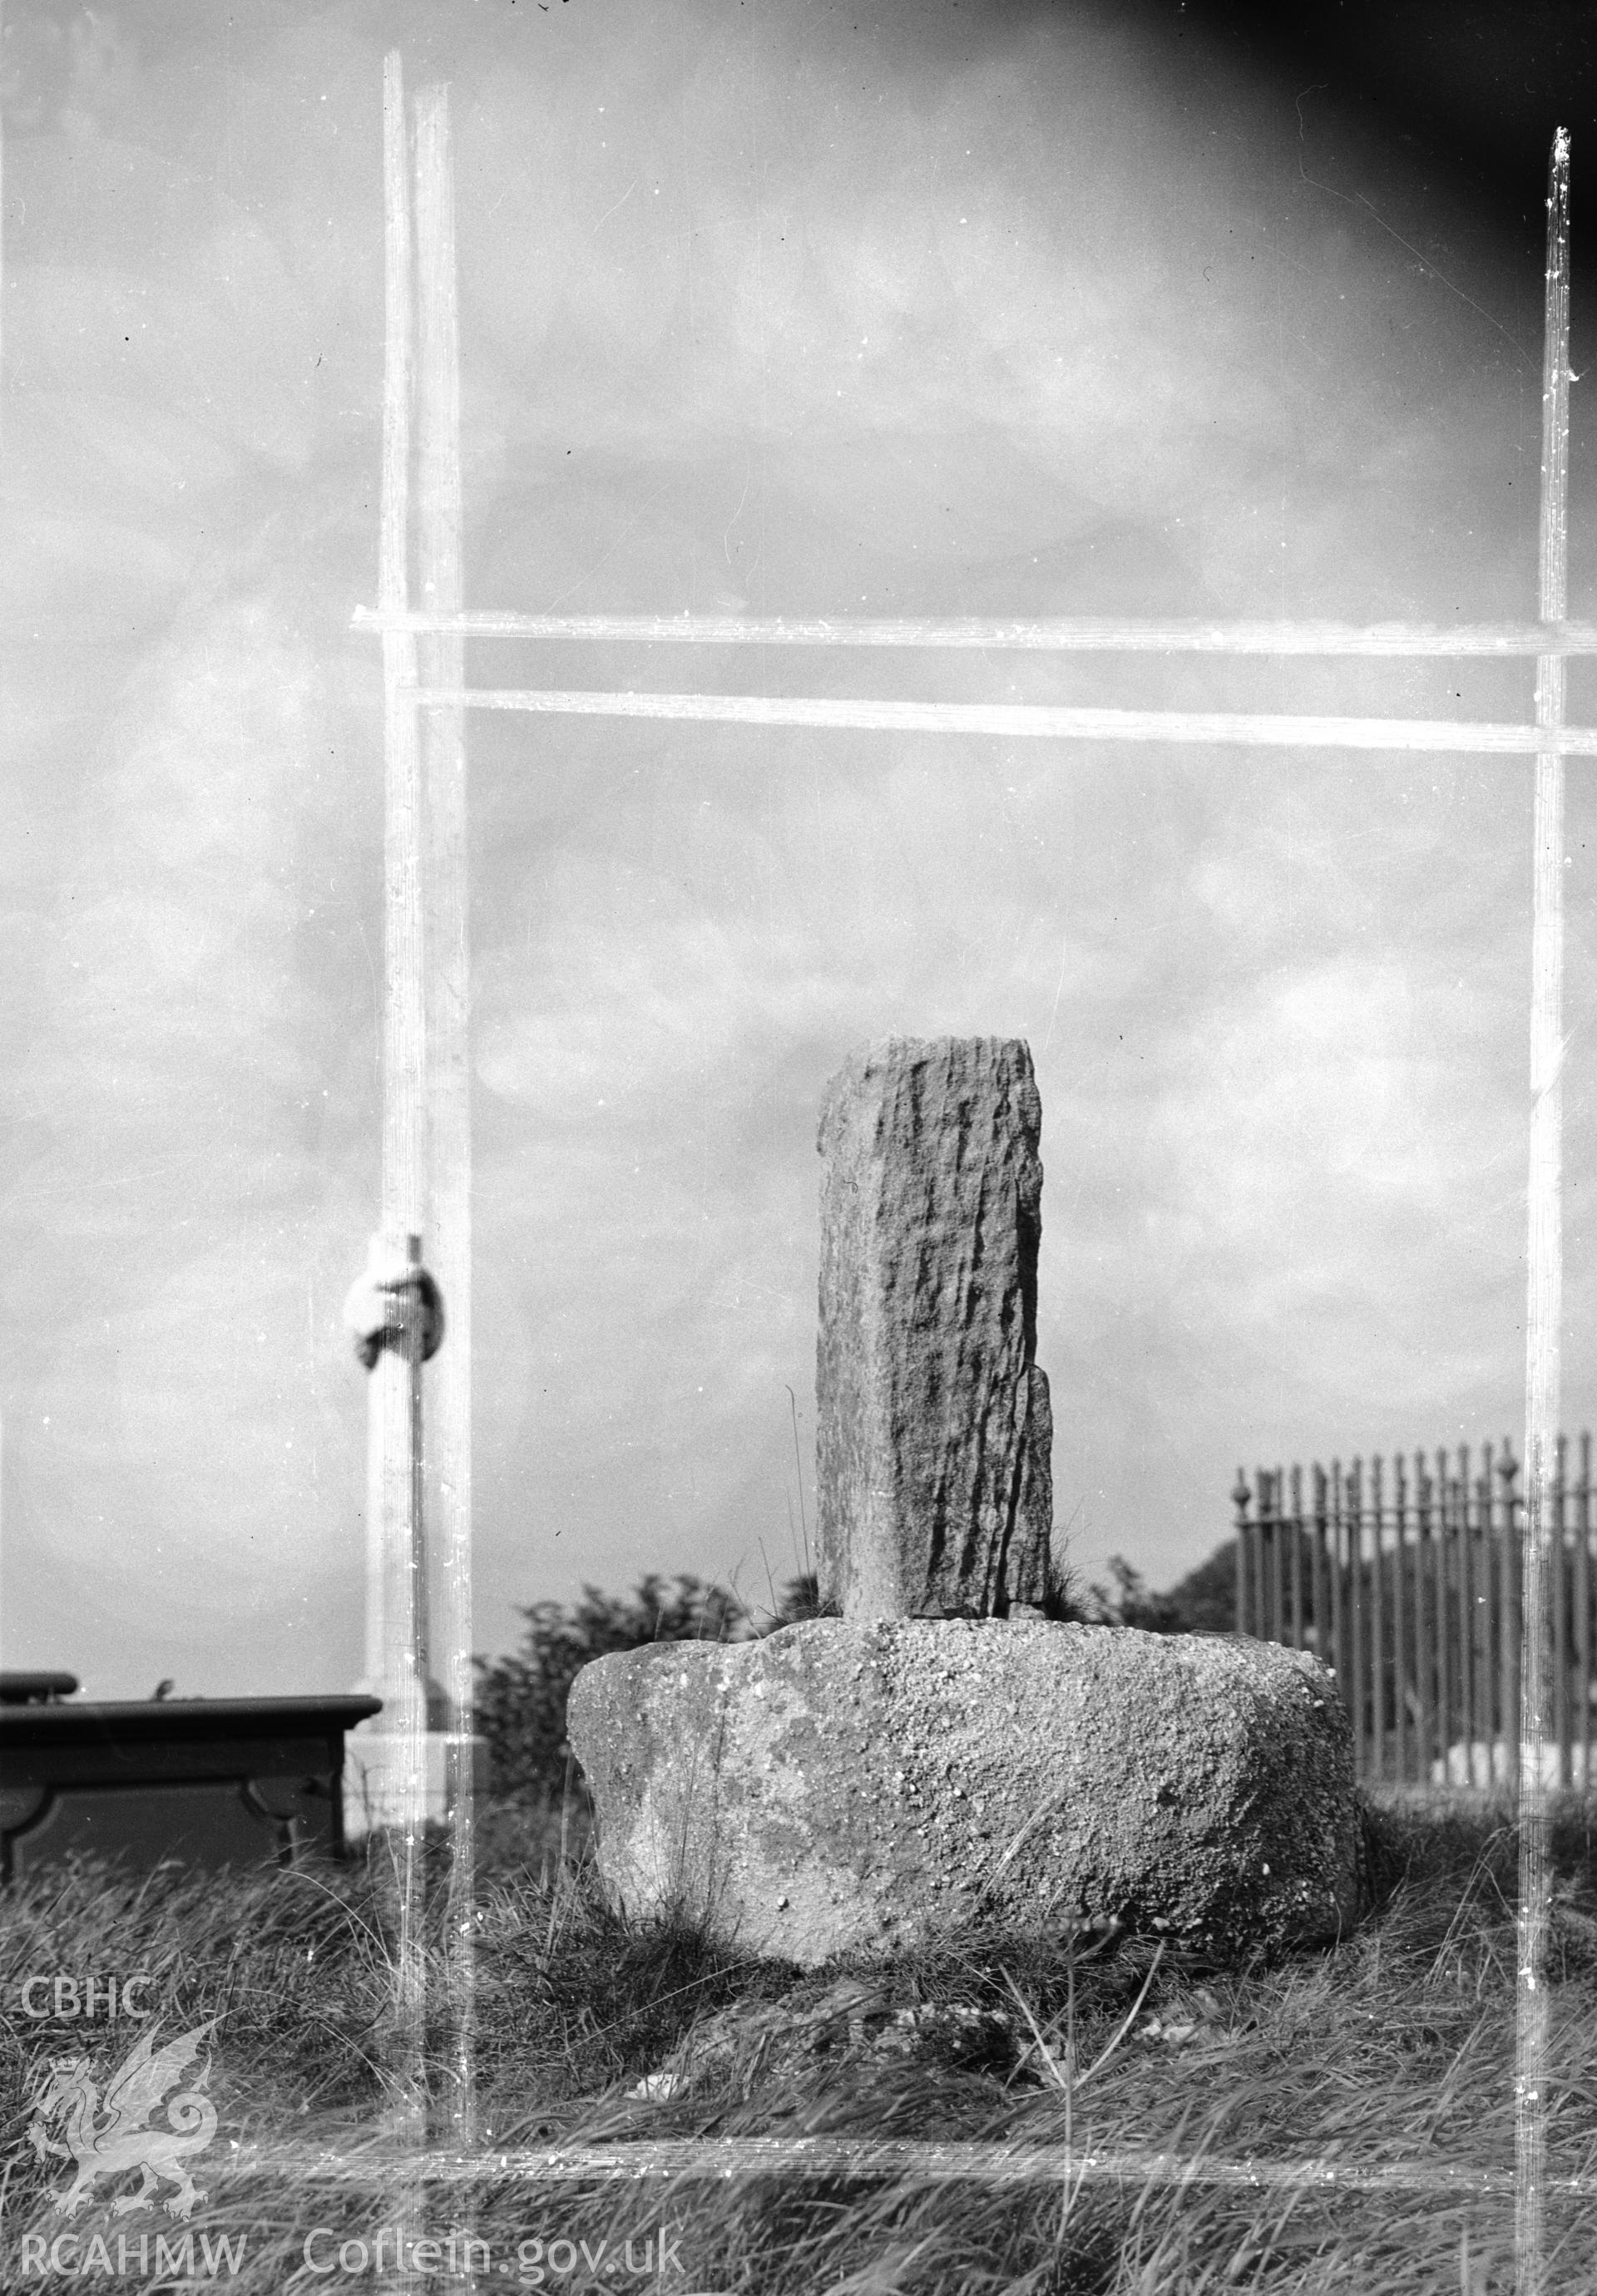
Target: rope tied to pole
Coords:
[(382, 1302)]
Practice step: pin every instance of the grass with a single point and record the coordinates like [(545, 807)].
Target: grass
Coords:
[(1394, 2051)]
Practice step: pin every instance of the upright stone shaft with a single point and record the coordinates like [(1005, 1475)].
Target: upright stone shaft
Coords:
[(936, 1493)]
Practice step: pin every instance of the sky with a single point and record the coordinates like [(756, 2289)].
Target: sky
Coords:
[(771, 308)]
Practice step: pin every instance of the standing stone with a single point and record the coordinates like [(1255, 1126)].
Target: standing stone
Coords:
[(934, 1431)]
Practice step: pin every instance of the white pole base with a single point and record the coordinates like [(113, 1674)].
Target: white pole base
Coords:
[(379, 1788)]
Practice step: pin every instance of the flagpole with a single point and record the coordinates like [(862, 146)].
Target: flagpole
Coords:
[(448, 1462), (1544, 1272)]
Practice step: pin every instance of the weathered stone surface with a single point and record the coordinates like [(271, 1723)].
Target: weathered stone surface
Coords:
[(936, 1493), (850, 1786)]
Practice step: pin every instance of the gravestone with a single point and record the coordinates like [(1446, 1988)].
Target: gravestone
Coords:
[(207, 1782), (934, 1433), (943, 1753)]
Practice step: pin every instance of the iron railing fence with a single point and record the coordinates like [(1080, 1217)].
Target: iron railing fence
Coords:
[(1404, 1575)]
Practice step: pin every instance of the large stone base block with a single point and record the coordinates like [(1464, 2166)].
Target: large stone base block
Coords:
[(845, 1787)]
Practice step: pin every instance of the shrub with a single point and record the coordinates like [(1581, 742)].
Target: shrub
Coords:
[(1204, 1602)]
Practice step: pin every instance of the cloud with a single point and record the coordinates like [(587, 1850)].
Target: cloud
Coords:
[(192, 1201)]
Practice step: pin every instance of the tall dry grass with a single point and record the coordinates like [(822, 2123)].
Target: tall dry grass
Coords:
[(1391, 2054)]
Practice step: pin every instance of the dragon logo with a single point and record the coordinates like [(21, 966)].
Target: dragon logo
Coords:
[(108, 2137)]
